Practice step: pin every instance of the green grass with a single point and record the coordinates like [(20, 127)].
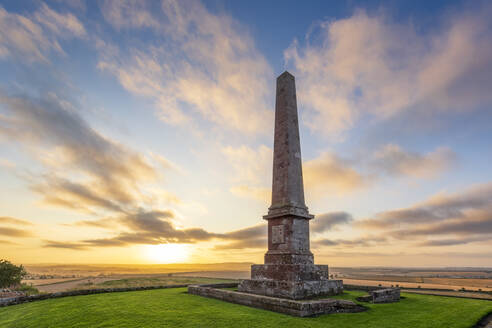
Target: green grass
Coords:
[(175, 308), (159, 281)]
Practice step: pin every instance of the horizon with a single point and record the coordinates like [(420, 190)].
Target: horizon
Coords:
[(142, 131), (248, 263)]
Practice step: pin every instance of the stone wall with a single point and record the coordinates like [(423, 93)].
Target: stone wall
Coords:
[(286, 306), (32, 298), (295, 290)]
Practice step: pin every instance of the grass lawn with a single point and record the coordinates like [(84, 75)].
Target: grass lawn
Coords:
[(175, 308)]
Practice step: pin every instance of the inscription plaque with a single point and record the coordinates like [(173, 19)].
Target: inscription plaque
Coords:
[(278, 234)]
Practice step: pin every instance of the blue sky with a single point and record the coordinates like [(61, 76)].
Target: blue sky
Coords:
[(126, 125)]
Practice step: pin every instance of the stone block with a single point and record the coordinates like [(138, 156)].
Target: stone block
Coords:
[(388, 295), (295, 290), (290, 272), (292, 307)]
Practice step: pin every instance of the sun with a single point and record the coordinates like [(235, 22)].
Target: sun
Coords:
[(167, 253)]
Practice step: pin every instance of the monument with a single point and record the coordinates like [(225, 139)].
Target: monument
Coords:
[(289, 270)]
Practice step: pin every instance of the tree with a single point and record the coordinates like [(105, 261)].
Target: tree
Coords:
[(10, 274)]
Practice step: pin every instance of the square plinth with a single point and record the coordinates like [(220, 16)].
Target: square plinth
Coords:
[(295, 290), (303, 308)]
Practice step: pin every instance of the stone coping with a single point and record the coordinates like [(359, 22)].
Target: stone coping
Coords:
[(25, 299), (299, 308)]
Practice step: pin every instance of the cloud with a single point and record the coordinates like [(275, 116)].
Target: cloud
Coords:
[(455, 241), (105, 223), (58, 244), (128, 14), (394, 161), (141, 227), (13, 232), (252, 169), (329, 173), (7, 242), (109, 174), (262, 194), (474, 223), (438, 208), (66, 25), (442, 220), (90, 173), (327, 221), (369, 66), (366, 241), (9, 219), (445, 219), (35, 37), (251, 237), (156, 227), (261, 243), (201, 64)]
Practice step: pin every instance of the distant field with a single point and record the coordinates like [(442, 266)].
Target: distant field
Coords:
[(470, 282), (155, 281), (374, 282), (175, 308), (126, 281)]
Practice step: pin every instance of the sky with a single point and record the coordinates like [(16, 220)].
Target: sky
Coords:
[(142, 131)]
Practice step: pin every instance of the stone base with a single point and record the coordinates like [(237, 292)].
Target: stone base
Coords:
[(296, 308), (388, 295), (295, 290)]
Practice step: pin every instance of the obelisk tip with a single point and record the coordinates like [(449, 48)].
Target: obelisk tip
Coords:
[(285, 75)]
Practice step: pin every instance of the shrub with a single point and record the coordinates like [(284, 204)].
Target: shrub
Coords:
[(28, 289), (10, 274)]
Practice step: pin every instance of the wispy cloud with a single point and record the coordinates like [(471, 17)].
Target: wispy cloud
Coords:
[(371, 66), (332, 174), (442, 220), (394, 161), (438, 208), (109, 173), (251, 171), (366, 241), (128, 14), (11, 220), (329, 173), (204, 63), (14, 232), (328, 221), (33, 37), (64, 25)]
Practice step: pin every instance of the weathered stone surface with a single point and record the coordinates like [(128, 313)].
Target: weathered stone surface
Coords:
[(290, 272), (388, 295), (287, 186), (295, 308), (295, 290), (289, 269)]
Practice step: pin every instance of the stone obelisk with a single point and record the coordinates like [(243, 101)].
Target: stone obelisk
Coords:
[(289, 269)]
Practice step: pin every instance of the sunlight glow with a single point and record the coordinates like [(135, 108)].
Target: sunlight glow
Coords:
[(167, 253)]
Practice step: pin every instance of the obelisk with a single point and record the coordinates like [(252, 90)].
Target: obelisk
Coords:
[(289, 269)]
